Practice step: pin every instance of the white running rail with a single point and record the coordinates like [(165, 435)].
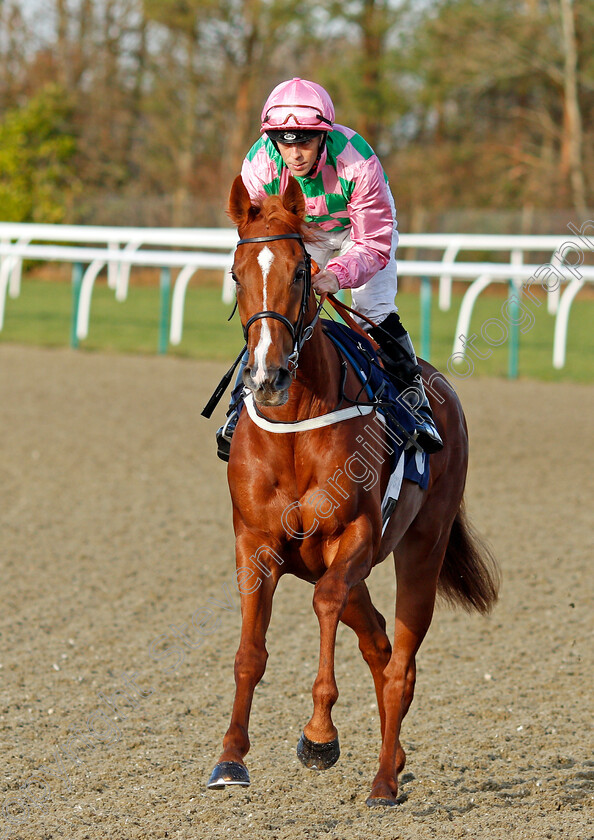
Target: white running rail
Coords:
[(119, 248), (97, 257)]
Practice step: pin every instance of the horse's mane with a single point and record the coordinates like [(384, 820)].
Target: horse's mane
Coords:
[(272, 213)]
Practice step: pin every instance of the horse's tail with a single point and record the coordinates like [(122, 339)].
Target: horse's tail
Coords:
[(470, 574)]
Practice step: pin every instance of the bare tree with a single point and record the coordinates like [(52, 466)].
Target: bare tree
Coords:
[(571, 150)]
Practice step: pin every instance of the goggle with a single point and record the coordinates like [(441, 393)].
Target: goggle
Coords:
[(302, 115)]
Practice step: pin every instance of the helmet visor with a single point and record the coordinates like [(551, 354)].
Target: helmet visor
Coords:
[(283, 115)]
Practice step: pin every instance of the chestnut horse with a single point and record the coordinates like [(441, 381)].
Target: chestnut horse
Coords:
[(297, 508)]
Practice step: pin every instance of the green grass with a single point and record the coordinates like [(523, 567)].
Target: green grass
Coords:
[(536, 342), (42, 313)]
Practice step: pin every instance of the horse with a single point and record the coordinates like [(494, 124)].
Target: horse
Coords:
[(299, 509)]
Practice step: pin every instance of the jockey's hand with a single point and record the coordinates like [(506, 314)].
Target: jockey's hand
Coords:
[(325, 281)]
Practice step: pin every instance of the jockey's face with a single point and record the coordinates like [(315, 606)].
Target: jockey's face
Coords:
[(300, 157)]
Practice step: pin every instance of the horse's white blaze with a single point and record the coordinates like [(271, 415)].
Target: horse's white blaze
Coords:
[(265, 260)]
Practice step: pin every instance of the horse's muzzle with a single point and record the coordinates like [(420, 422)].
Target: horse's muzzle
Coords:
[(272, 389)]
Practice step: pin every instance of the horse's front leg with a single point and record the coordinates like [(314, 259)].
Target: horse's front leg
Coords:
[(318, 747), (257, 589)]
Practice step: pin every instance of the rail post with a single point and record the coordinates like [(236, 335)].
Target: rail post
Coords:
[(165, 288), (77, 276), (426, 318), (514, 330)]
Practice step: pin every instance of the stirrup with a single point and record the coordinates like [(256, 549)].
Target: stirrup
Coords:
[(427, 437), (425, 434), (224, 435)]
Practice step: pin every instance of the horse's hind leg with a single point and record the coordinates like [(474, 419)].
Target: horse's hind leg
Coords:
[(370, 626), (417, 573)]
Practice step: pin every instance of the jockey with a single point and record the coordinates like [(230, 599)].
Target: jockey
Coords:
[(350, 207)]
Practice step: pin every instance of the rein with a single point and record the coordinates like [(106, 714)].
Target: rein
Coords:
[(342, 310), (298, 331)]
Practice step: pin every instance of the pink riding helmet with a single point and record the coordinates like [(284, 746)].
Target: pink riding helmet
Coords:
[(298, 104)]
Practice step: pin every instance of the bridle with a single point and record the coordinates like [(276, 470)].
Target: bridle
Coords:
[(299, 332)]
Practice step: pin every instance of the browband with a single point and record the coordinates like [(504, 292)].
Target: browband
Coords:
[(272, 238)]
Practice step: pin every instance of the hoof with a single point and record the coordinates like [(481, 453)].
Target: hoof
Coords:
[(380, 802), (318, 756), (228, 773)]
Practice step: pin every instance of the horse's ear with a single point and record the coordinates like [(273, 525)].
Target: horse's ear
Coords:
[(293, 200), (240, 203)]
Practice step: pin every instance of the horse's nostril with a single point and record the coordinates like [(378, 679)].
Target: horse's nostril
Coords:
[(283, 379), (279, 379)]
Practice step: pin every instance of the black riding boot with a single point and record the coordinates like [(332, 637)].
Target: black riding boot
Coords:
[(225, 433), (398, 355)]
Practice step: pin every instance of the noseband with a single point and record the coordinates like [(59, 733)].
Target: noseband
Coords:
[(298, 331)]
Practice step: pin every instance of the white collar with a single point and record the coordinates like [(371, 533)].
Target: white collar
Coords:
[(281, 428)]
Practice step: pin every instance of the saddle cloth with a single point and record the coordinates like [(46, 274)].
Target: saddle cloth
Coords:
[(380, 389)]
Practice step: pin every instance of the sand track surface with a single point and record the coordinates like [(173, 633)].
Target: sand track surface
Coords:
[(116, 529)]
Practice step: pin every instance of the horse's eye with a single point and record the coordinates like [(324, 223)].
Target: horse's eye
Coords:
[(234, 277), (299, 275)]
